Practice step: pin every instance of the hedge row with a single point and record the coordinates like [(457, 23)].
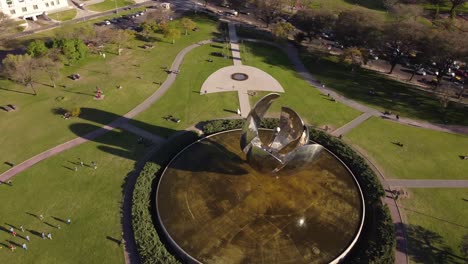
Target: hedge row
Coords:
[(149, 246), (377, 241)]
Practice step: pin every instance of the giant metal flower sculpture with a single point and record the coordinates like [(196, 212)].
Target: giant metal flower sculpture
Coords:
[(289, 148)]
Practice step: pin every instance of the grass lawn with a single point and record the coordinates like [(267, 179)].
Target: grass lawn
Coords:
[(183, 99), (391, 95), (90, 198), (36, 125), (315, 108), (437, 223), (64, 15), (109, 4), (339, 5), (425, 154)]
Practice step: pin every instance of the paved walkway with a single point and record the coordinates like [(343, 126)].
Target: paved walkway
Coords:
[(428, 183), (349, 126), (143, 133)]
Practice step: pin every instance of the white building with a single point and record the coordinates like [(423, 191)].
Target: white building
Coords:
[(30, 8)]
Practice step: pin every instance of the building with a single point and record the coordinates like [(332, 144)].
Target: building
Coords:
[(30, 8)]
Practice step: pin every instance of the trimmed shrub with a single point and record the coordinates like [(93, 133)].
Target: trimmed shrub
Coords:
[(150, 247)]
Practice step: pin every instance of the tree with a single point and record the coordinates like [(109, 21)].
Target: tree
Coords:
[(401, 38), (72, 49), (389, 3), (7, 26), (464, 245), (314, 22), (443, 48), (281, 30), (21, 69), (405, 12), (37, 48), (187, 24), (120, 37), (437, 4), (357, 28), (51, 67), (172, 33), (353, 57), (455, 4), (159, 15), (268, 10)]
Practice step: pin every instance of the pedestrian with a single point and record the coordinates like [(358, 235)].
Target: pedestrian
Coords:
[(12, 230), (58, 227), (12, 247), (94, 164), (76, 168), (27, 238), (25, 247), (68, 221), (81, 162), (41, 217), (22, 229), (43, 235), (49, 236), (14, 233), (397, 117)]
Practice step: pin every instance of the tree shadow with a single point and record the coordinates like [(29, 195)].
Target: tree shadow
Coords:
[(15, 91), (125, 149), (434, 217), (426, 246), (370, 4), (118, 242)]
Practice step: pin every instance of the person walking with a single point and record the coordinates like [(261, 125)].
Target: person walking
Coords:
[(12, 247), (58, 227), (12, 230), (81, 162), (14, 233), (43, 235), (49, 236), (25, 247), (68, 221), (27, 238), (41, 217), (22, 229), (75, 169)]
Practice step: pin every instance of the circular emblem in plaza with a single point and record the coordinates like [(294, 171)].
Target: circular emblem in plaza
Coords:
[(238, 76)]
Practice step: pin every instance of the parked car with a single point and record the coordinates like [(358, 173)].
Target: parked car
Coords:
[(421, 71)]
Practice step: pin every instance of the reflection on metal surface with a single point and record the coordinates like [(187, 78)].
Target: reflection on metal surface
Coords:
[(288, 149)]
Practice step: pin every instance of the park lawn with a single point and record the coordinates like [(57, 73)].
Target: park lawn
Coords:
[(90, 198), (425, 154), (109, 4), (392, 95), (64, 15), (437, 223), (35, 126), (183, 99), (316, 109)]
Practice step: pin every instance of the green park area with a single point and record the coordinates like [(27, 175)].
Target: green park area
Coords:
[(139, 71), (437, 223), (183, 99), (425, 154), (109, 4), (398, 97), (64, 15), (315, 108), (90, 198)]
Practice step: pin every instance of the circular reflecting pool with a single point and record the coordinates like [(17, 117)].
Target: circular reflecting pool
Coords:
[(214, 208)]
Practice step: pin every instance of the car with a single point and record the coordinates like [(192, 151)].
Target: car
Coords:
[(421, 71), (107, 22)]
